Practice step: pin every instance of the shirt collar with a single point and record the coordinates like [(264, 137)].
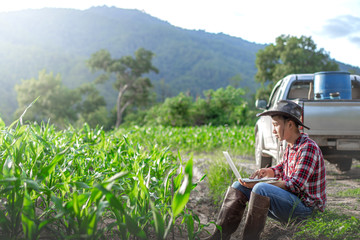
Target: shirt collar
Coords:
[(299, 141)]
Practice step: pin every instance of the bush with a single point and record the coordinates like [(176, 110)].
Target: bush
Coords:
[(221, 107)]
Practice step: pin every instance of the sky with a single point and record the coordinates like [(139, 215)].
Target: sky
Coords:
[(333, 25)]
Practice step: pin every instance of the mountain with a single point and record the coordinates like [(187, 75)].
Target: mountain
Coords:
[(61, 40)]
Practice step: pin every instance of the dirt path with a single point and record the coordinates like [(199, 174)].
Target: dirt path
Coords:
[(336, 182), (339, 182)]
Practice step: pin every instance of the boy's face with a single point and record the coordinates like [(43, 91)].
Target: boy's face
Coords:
[(280, 127)]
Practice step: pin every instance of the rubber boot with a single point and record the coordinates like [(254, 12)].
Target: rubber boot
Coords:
[(230, 214), (256, 216)]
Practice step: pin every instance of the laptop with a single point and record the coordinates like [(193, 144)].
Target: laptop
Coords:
[(237, 173)]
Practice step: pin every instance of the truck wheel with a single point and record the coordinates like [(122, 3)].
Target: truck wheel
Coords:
[(261, 161), (344, 165)]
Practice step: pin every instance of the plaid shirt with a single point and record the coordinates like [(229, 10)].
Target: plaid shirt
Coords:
[(303, 170)]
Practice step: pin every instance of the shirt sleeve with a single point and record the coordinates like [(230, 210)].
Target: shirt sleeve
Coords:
[(278, 170), (306, 161)]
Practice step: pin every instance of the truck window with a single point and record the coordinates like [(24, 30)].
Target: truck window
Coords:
[(275, 95), (300, 90), (355, 91)]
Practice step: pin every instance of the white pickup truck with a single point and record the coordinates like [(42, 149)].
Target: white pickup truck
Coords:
[(334, 122)]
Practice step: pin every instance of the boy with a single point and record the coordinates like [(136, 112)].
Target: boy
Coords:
[(300, 188)]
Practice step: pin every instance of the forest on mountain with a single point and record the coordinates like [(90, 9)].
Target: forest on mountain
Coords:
[(61, 41)]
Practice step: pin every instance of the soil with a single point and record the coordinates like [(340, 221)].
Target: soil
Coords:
[(202, 205)]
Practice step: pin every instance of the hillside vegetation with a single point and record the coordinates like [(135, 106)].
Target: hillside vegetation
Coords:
[(61, 40)]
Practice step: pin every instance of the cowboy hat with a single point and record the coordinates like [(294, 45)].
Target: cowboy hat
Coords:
[(285, 108)]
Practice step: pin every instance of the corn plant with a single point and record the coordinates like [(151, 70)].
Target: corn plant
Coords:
[(240, 139), (88, 184)]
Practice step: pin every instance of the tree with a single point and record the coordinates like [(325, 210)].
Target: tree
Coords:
[(55, 102), (236, 80), (92, 108), (131, 86), (163, 89), (59, 103), (176, 111), (290, 55), (220, 105)]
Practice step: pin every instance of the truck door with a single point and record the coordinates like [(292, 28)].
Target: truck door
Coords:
[(270, 141)]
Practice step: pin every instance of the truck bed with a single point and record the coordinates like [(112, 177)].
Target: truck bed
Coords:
[(329, 117)]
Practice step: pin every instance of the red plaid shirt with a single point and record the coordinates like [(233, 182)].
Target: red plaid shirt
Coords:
[(303, 170)]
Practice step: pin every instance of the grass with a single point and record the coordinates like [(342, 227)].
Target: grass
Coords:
[(349, 193), (329, 226), (220, 176)]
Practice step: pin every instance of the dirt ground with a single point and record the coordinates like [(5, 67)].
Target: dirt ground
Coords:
[(336, 182)]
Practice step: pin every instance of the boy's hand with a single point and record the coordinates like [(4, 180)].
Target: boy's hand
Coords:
[(263, 172), (247, 184)]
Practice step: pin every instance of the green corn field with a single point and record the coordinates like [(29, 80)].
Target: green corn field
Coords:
[(91, 184)]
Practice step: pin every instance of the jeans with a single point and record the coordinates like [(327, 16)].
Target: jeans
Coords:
[(284, 205)]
